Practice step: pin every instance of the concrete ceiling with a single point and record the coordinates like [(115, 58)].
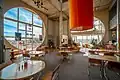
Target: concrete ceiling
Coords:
[(52, 7)]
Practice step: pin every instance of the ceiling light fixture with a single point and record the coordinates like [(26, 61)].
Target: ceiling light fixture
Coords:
[(39, 4)]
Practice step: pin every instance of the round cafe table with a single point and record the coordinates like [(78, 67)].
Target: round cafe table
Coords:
[(66, 53), (21, 70)]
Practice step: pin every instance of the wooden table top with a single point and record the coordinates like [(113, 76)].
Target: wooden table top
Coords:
[(105, 58), (103, 50), (36, 52), (17, 52), (67, 51), (13, 71)]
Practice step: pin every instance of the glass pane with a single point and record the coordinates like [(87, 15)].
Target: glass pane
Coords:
[(37, 32), (23, 45), (25, 15), (89, 37), (12, 41), (10, 27), (12, 13), (21, 26), (29, 28), (22, 33), (37, 20), (84, 37), (29, 34)]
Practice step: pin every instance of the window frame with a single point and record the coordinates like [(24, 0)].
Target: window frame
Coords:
[(25, 23)]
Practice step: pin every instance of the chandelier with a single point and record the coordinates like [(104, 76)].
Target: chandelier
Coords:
[(39, 4)]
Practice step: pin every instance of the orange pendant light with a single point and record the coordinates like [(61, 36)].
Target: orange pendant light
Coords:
[(81, 14)]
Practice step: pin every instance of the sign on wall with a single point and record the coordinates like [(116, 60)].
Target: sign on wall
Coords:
[(64, 39), (17, 36)]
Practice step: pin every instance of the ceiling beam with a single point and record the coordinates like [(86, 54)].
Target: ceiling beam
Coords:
[(52, 15), (33, 7), (112, 3), (57, 8)]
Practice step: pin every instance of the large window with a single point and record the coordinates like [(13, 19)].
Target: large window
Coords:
[(10, 27), (25, 22), (90, 36)]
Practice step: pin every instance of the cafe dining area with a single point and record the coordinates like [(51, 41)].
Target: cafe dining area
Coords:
[(59, 40)]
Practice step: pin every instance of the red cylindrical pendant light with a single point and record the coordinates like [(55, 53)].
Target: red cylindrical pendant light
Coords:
[(81, 14)]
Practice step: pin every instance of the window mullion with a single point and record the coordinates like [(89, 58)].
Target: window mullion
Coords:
[(32, 31), (18, 20)]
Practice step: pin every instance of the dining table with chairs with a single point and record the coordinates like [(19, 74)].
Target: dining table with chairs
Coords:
[(23, 66), (22, 70), (103, 50), (104, 57)]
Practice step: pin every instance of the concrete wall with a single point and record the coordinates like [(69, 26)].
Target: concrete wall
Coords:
[(65, 27), (1, 33), (103, 15), (56, 33), (53, 31)]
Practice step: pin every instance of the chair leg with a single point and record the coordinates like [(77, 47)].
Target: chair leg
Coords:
[(32, 78), (89, 71), (118, 74)]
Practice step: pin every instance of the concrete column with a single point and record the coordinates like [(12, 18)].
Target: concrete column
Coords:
[(68, 30), (1, 33), (46, 32), (118, 33), (61, 23)]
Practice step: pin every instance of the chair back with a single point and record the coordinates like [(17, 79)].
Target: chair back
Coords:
[(3, 65), (26, 55), (52, 75), (35, 58), (114, 66), (56, 72), (109, 53), (94, 62)]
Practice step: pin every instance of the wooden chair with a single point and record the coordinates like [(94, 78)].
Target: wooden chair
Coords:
[(35, 58), (115, 67), (52, 75), (92, 63), (55, 74), (26, 56), (3, 65)]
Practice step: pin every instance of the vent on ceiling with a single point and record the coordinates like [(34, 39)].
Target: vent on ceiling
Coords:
[(63, 1)]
